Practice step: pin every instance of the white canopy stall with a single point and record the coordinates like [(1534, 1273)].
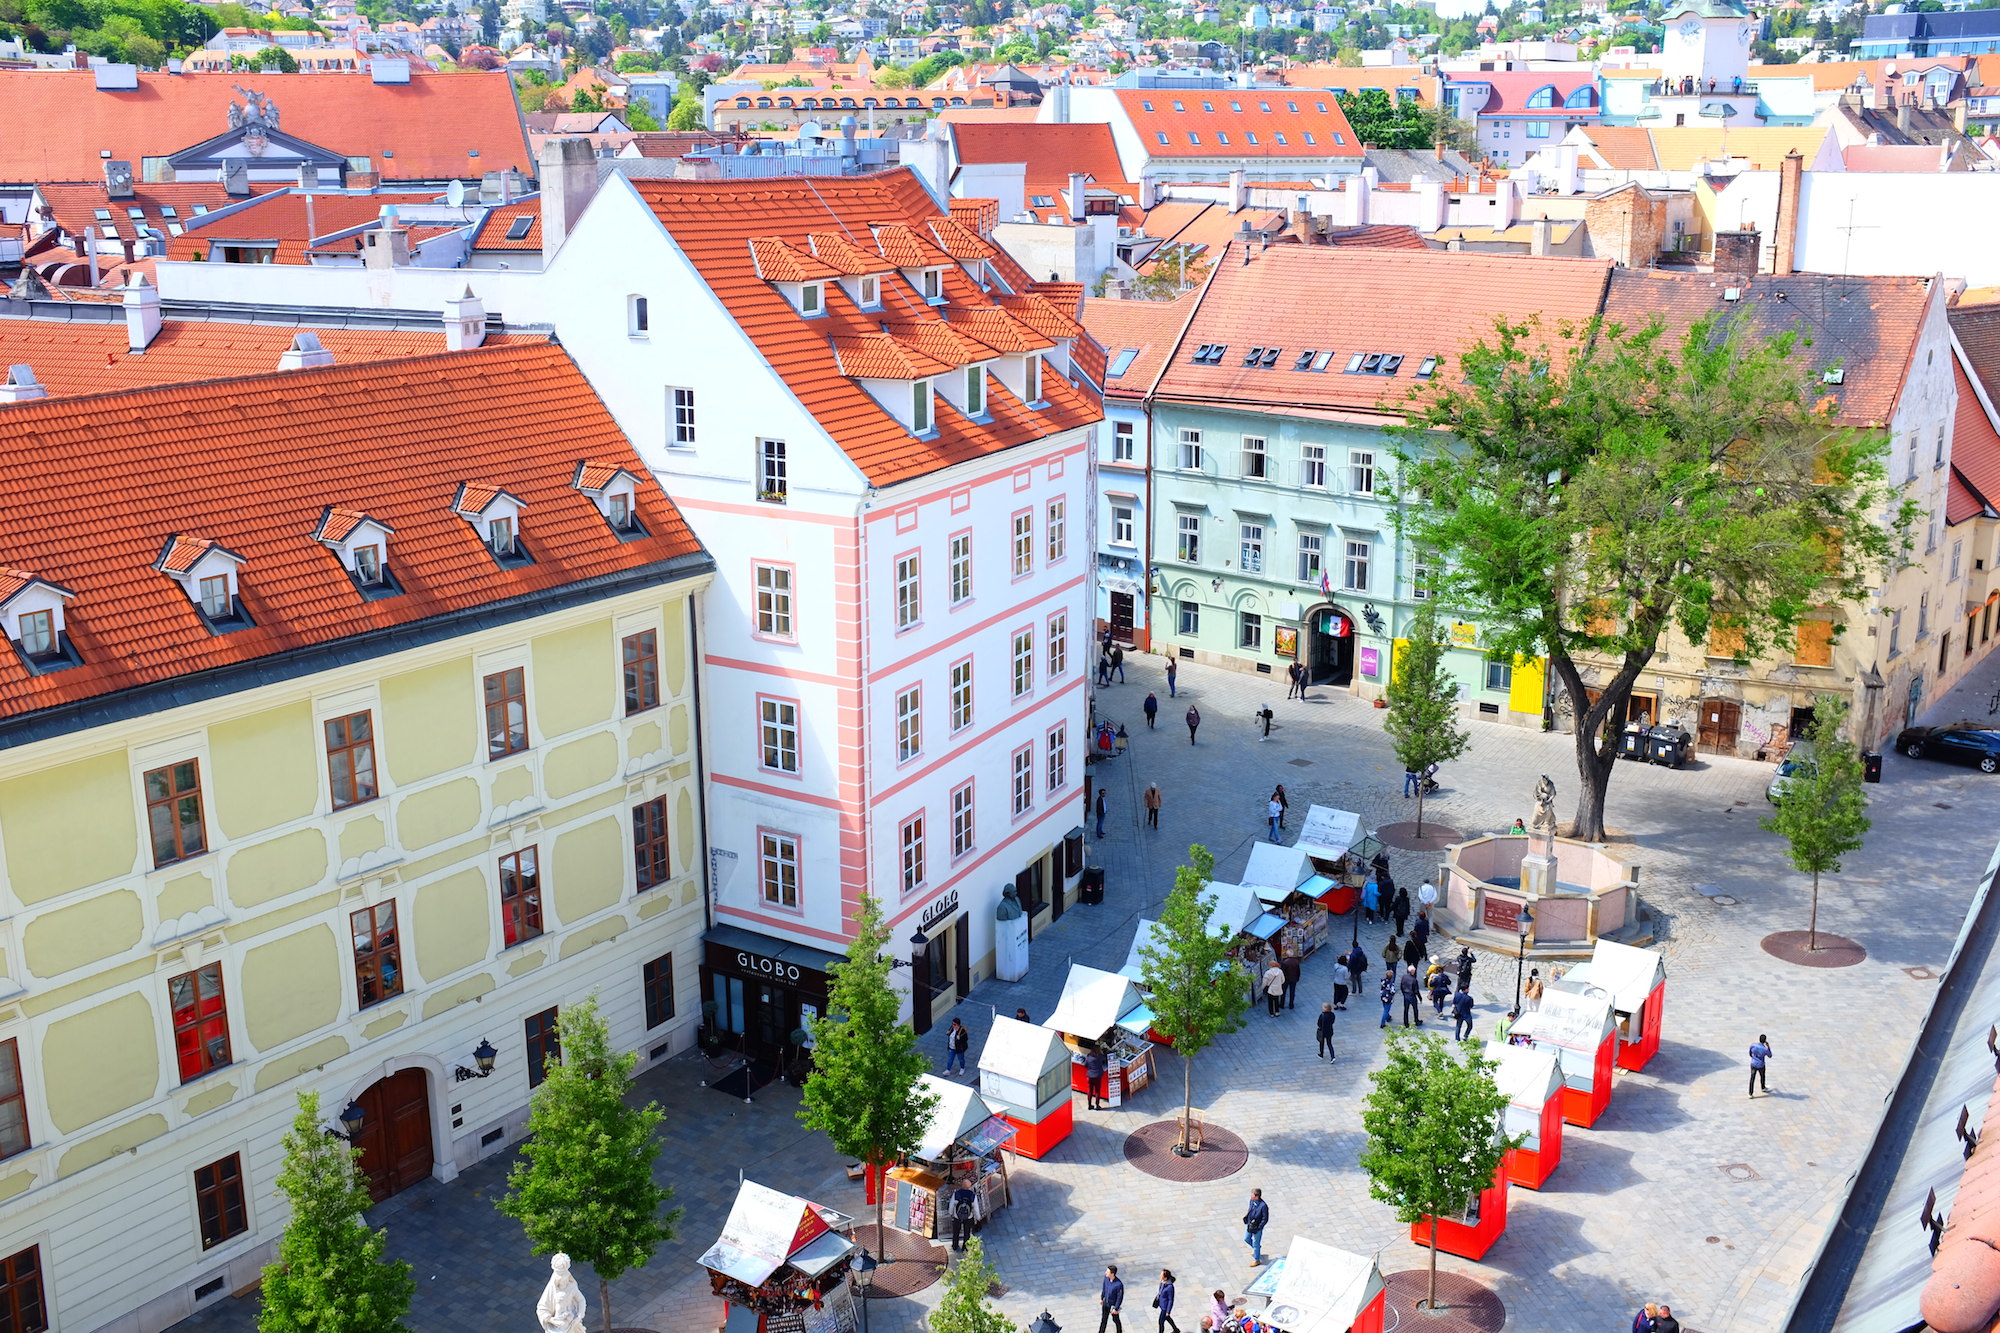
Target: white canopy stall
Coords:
[(1024, 1076), (1103, 1010)]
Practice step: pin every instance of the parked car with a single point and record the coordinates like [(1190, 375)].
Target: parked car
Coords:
[(1959, 743), (1796, 761)]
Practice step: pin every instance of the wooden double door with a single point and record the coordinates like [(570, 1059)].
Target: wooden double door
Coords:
[(395, 1138), (1720, 724)]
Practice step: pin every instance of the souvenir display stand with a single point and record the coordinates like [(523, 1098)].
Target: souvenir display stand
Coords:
[(1636, 982), (780, 1265), (960, 1146), (1532, 1083), (1327, 837), (1472, 1233), (1317, 1288), (1579, 1030), (1237, 909), (1024, 1077), (1285, 881), (1103, 1009)]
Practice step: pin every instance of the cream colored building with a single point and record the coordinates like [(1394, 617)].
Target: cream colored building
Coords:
[(421, 769)]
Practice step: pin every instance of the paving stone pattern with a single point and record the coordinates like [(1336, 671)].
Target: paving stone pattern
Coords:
[(1686, 1190)]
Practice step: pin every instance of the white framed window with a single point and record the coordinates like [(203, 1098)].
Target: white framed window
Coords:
[(1058, 757), (1423, 575), (38, 633), (961, 695), (1024, 779), (1499, 675), (772, 469), (1024, 543), (909, 591), (215, 602), (1058, 529), (779, 731), (871, 291), (368, 566), (1034, 378), (909, 723), (500, 535), (920, 406), (1312, 466), (680, 416), (1190, 618), (811, 298), (1121, 525), (1312, 551), (1255, 460), (1189, 533), (638, 316), (961, 568), (1190, 449), (1024, 662), (774, 601), (1251, 548), (975, 391), (778, 868), (932, 284), (1249, 630), (1957, 554), (962, 828), (1354, 570), (1124, 442), (1361, 471), (1058, 644), (913, 854)]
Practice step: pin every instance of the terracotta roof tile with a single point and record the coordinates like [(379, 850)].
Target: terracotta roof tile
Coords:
[(906, 247), (1040, 313), (711, 221), (1050, 152), (1962, 1294), (1513, 88), (959, 242), (844, 256), (998, 329), (476, 497), (433, 125), (1224, 122), (14, 581), (337, 524), (251, 461), (1147, 329), (1977, 328), (1975, 446), (290, 219), (497, 227), (74, 207), (978, 216), (183, 552), (1383, 236), (1624, 147), (877, 356), (780, 262), (596, 476)]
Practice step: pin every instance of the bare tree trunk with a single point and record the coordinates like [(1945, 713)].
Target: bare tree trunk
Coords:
[(1596, 752), (1431, 1301), (1420, 805), (881, 1248), (1812, 922), (1187, 1103), (604, 1303)]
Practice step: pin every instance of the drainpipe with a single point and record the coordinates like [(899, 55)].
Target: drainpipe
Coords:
[(701, 769)]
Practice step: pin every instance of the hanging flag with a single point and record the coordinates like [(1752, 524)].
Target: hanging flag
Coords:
[(1325, 587)]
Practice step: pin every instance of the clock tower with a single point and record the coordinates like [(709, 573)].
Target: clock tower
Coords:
[(1706, 39)]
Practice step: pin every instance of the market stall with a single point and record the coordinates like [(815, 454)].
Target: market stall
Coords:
[(1290, 888), (1469, 1234), (961, 1146), (1532, 1083), (780, 1265), (1317, 1288), (1237, 909), (1578, 1029), (1024, 1076), (1328, 836), (1635, 981), (1102, 1010)]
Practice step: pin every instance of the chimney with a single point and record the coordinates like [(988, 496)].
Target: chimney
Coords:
[(464, 323), (308, 175), (20, 386), (1903, 118), (1958, 115), (304, 353), (1538, 243), (569, 179), (1737, 252), (1149, 193), (1059, 102), (1239, 193), (363, 180), (236, 177), (1791, 180), (1076, 199), (117, 180), (142, 313), (387, 245)]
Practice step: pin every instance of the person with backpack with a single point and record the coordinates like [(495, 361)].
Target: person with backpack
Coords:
[(1255, 1218), (964, 1209), (1465, 962), (1388, 993), (1440, 988), (956, 1040)]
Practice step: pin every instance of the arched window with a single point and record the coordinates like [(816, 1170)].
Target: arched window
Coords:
[(1544, 96), (638, 316), (1585, 96), (743, 104)]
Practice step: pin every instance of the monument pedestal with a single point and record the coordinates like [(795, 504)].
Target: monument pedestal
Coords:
[(1538, 876)]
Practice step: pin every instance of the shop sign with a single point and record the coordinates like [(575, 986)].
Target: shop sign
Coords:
[(1464, 635), (938, 911), (769, 967), (1371, 661)]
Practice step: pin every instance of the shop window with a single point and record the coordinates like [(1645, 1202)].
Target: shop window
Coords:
[(201, 1021), (657, 979), (544, 1045), (378, 954), (520, 897), (218, 1197), (650, 853)]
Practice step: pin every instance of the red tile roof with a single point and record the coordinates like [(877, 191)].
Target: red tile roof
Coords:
[(1921, 157), (183, 552), (1001, 330), (780, 262), (960, 242), (1234, 122), (291, 219), (1049, 151), (877, 356), (1624, 147), (13, 581), (432, 124), (976, 215), (493, 229), (1977, 328), (1513, 88), (1962, 1294), (73, 358), (337, 524), (74, 207), (841, 255), (1148, 329), (712, 221), (253, 462), (1975, 446), (1382, 236)]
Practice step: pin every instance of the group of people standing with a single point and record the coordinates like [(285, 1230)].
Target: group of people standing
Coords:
[(1111, 1293)]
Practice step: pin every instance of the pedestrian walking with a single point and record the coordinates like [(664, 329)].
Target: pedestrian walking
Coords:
[(1642, 1322), (1110, 1300), (1413, 1005), (1420, 929), (1255, 1218), (1173, 674), (1665, 1322), (1284, 804), (1152, 709), (1163, 1301), (1193, 721), (1388, 993), (1100, 812), (1461, 1012), (1271, 812), (1294, 674), (1440, 990), (956, 1040), (1093, 1079), (1413, 952), (1760, 1056), (1274, 989), (1152, 805), (1357, 969), (1341, 978), (1289, 965), (1371, 899), (1118, 662), (1399, 907), (1104, 668), (1264, 715), (1533, 990), (964, 1208), (1392, 954), (1218, 1310), (1323, 1026), (1465, 963), (1410, 780)]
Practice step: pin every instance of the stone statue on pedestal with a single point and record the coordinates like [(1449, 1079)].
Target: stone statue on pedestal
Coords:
[(561, 1308), (1538, 875), (1545, 806)]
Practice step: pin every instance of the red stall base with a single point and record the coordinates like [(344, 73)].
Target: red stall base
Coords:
[(1370, 1319), (1035, 1140), (1340, 899), (1636, 1054), (1583, 1108), (1469, 1242), (1530, 1167)]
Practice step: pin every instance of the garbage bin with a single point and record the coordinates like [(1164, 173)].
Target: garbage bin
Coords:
[(1871, 766), (1668, 745), (1632, 741), (1091, 890)]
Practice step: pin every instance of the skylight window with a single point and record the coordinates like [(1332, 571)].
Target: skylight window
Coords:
[(138, 213), (1264, 107), (1043, 201), (1122, 362), (1371, 364), (1236, 106), (1179, 107), (1427, 367), (1322, 361), (1194, 138), (168, 211), (109, 230), (1161, 137), (1208, 106), (1251, 135), (1321, 106), (1354, 363), (517, 230), (1148, 106), (1305, 359), (101, 214), (1271, 356), (1221, 137), (199, 209), (1292, 107), (1309, 137), (1279, 135), (1338, 137), (1210, 354), (1390, 363), (1253, 356)]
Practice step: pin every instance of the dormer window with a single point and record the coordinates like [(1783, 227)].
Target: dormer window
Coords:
[(368, 566), (812, 296), (500, 535), (362, 544), (1034, 379), (920, 407), (206, 572), (930, 282), (975, 391), (495, 515), (621, 511), (869, 292), (615, 493), (216, 603), (38, 633), (31, 608)]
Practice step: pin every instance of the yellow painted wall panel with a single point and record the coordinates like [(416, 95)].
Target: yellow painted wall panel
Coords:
[(266, 871), (362, 835), (673, 645), (511, 784), (100, 1062), (219, 1092), (658, 901), (683, 831), (451, 924), (384, 1025), (588, 869), (291, 1065), (291, 986), (69, 826), (643, 739), (110, 1143), (1525, 694), (278, 918), (37, 1003), (87, 932), (677, 728), (590, 936), (263, 770), (189, 893), (462, 992), (581, 763), (14, 1184), (575, 674), (447, 810), (430, 721), (525, 961)]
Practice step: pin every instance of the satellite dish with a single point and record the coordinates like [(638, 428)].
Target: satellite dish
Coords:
[(809, 129), (454, 193)]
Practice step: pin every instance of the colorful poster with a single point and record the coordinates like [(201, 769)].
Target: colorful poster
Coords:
[(1464, 635), (1371, 661), (1288, 641)]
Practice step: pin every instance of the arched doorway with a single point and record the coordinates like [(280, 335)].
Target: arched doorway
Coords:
[(395, 1138), (1329, 645)]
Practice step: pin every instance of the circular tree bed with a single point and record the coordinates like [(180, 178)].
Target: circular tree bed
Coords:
[(1464, 1305), (1151, 1149), (1833, 951)]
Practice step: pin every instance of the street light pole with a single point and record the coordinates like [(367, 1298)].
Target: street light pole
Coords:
[(1522, 925), (861, 1268)]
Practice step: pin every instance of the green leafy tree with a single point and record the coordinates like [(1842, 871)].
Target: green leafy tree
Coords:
[(1422, 718), (965, 1307), (584, 1183), (686, 114), (587, 98), (639, 116), (330, 1276), (863, 1092), (275, 56), (1186, 968), (1385, 121), (1174, 269), (1822, 812), (1432, 1118), (637, 62), (891, 76), (1591, 492)]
